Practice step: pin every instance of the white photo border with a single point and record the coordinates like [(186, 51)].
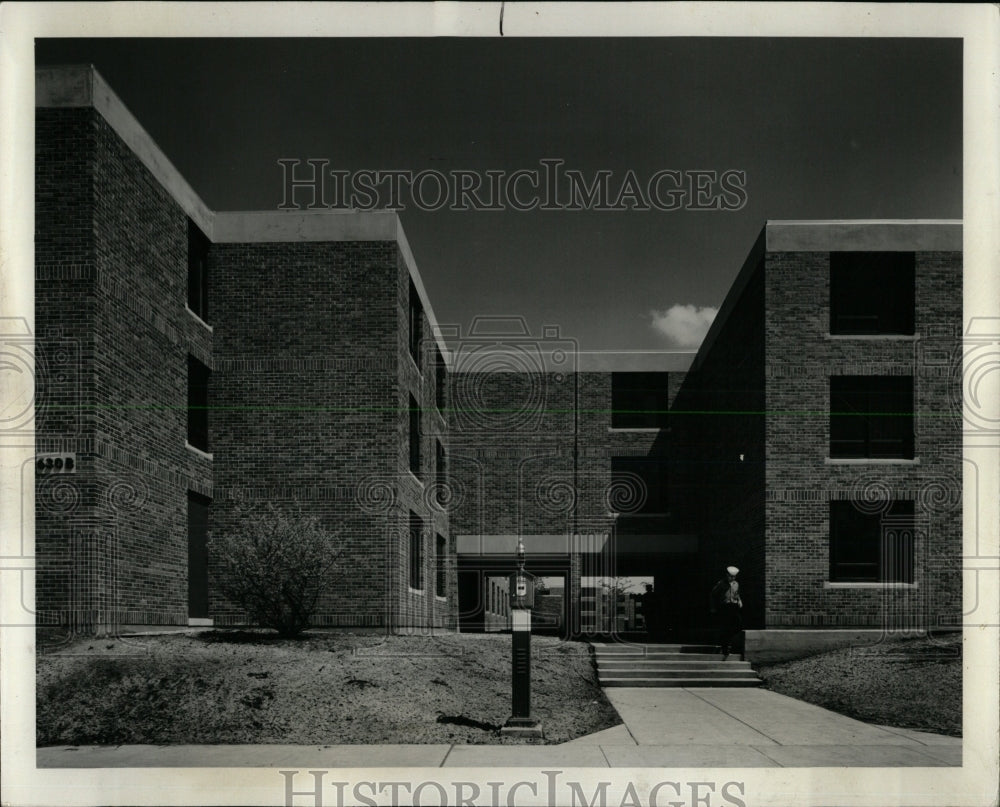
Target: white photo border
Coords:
[(975, 783)]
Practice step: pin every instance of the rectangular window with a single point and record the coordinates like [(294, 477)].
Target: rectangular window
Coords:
[(197, 555), (639, 400), (440, 380), (416, 323), (872, 292), (416, 552), (871, 543), (198, 375), (414, 437), (639, 485), (441, 471), (871, 417), (441, 565), (197, 271)]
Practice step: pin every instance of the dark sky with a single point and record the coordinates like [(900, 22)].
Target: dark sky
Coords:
[(823, 128)]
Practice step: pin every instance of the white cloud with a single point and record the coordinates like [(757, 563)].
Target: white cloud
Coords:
[(684, 325)]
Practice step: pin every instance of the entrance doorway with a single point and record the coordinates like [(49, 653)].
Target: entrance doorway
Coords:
[(484, 596), (616, 604)]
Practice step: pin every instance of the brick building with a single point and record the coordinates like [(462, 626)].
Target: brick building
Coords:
[(550, 444), (814, 441), (192, 360), (829, 433), (219, 358)]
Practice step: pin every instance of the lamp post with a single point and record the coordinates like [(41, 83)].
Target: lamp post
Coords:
[(522, 589)]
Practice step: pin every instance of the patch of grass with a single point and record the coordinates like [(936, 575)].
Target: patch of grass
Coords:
[(914, 684), (326, 688)]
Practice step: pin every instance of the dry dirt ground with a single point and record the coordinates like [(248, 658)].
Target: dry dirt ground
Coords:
[(914, 684), (327, 688)]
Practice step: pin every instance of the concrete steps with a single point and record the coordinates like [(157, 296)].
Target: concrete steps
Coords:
[(655, 656), (660, 665), (674, 666)]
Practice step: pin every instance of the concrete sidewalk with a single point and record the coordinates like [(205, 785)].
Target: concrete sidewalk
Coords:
[(729, 727), (712, 727)]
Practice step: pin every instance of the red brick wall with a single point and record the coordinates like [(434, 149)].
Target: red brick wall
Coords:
[(311, 385), (308, 393), (65, 505), (303, 400), (528, 446), (769, 513), (421, 494), (514, 445), (800, 360), (123, 286), (310, 399)]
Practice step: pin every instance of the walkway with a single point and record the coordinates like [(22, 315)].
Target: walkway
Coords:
[(682, 727), (722, 727)]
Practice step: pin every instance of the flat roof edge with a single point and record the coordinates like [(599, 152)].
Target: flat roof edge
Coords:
[(80, 85), (635, 361), (529, 358), (264, 226), (864, 235), (418, 284), (64, 85)]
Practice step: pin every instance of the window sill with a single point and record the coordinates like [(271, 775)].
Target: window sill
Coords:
[(201, 453), (416, 366), (200, 622), (415, 478), (439, 598), (828, 584), (874, 337), (638, 429), (199, 319), (870, 461), (413, 590)]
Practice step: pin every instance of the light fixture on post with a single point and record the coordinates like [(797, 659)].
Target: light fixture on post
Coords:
[(522, 590)]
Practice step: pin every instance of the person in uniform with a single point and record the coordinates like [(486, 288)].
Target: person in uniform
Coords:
[(726, 603)]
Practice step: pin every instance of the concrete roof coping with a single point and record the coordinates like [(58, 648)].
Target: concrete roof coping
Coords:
[(263, 226), (418, 284), (646, 361), (533, 356), (833, 235), (864, 235), (80, 85)]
